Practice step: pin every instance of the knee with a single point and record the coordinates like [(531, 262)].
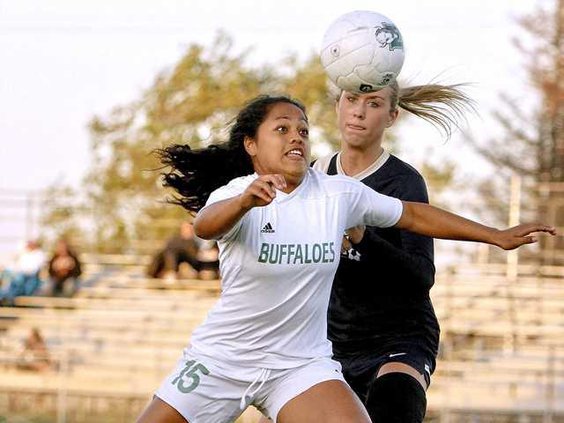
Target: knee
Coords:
[(396, 398)]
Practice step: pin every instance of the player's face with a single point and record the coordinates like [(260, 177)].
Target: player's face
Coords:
[(282, 144), (363, 118)]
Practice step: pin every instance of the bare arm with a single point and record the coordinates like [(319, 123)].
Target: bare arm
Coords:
[(428, 220), (218, 218)]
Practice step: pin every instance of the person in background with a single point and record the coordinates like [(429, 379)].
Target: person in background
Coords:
[(179, 257), (64, 271), (35, 354), (208, 256), (23, 277)]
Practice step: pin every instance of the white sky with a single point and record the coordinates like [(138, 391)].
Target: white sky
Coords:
[(62, 61)]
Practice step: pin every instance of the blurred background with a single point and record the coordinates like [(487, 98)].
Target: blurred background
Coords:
[(89, 89)]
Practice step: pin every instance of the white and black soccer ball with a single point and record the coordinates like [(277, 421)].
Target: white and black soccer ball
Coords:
[(362, 51)]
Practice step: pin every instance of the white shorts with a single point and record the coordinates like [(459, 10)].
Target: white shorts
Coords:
[(202, 392)]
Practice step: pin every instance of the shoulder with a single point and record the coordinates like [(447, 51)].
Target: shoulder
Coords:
[(234, 187), (333, 184), (402, 180), (241, 181), (238, 184), (402, 172), (402, 168), (322, 163)]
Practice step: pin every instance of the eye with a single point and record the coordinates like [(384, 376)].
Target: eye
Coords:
[(374, 104), (282, 129), (304, 132), (351, 99)]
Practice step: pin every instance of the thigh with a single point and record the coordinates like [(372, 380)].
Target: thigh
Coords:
[(159, 411), (201, 392), (285, 385), (398, 367), (329, 401), (409, 359)]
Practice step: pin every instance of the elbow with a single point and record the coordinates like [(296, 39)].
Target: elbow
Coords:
[(207, 228), (201, 230), (203, 234)]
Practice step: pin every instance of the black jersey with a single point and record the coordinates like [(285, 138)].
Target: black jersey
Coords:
[(380, 297)]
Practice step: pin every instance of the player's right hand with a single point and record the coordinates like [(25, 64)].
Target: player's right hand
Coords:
[(262, 191)]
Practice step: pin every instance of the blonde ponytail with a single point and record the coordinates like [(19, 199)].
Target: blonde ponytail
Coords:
[(441, 105)]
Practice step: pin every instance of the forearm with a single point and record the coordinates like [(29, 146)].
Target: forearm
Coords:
[(428, 220), (217, 219)]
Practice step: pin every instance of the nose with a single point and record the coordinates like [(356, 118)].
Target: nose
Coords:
[(359, 110), (297, 137)]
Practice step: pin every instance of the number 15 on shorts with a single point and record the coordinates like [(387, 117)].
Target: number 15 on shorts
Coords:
[(188, 379)]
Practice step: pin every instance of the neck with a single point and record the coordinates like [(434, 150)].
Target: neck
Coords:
[(355, 160)]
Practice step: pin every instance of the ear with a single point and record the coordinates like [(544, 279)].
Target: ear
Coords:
[(250, 146), (392, 118)]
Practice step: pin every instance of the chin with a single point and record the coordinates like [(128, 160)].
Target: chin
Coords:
[(296, 174)]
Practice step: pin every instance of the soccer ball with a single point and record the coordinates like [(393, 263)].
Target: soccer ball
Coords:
[(362, 51)]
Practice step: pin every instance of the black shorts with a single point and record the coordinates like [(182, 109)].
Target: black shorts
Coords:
[(360, 370)]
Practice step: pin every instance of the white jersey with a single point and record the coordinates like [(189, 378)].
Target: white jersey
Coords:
[(277, 266)]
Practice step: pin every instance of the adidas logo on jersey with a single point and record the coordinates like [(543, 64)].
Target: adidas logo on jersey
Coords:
[(267, 229)]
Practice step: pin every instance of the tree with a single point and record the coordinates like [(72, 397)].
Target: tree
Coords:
[(533, 144), (191, 103)]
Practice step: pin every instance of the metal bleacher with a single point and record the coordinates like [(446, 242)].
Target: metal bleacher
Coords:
[(501, 358)]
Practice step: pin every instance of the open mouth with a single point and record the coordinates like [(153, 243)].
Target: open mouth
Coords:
[(296, 152)]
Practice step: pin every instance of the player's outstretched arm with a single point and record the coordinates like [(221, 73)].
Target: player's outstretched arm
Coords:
[(217, 219), (432, 221)]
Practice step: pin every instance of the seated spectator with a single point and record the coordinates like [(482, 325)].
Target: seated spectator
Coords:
[(179, 258), (185, 256), (64, 271), (208, 255), (35, 355), (23, 278)]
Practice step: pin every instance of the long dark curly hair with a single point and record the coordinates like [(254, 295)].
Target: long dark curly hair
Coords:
[(194, 174)]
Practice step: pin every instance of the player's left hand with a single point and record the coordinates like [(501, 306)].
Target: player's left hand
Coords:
[(516, 236)]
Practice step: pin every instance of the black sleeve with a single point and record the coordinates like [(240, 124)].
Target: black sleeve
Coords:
[(412, 259)]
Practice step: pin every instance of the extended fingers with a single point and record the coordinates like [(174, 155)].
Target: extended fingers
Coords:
[(524, 234), (548, 229), (527, 229)]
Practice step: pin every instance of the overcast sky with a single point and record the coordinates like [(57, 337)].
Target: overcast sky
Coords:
[(63, 61)]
